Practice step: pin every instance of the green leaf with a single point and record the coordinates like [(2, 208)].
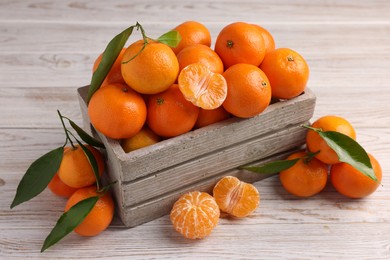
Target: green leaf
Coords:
[(171, 38), (38, 176), (349, 151), (92, 161), (69, 221), (85, 136), (109, 56), (272, 167)]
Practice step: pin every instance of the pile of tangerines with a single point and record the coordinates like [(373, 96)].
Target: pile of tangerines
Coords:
[(154, 91)]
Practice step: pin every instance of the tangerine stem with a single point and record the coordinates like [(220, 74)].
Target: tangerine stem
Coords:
[(144, 37), (66, 131)]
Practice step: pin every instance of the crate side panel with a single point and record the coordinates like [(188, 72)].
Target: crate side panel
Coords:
[(137, 215), (212, 164), (214, 138)]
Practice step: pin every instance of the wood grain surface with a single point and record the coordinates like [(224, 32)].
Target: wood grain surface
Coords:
[(46, 52)]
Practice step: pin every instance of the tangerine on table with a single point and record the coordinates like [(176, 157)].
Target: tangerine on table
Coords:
[(195, 214), (99, 218), (117, 111), (315, 142), (192, 32), (269, 41), (152, 70), (240, 43), (235, 197), (202, 87), (208, 117), (304, 178), (170, 114), (115, 74), (200, 53), (287, 72), (59, 188), (348, 181), (143, 138), (75, 169), (249, 91)]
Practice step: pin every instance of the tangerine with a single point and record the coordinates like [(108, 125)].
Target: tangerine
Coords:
[(115, 73), (192, 32), (350, 182), (208, 117), (99, 218), (195, 214), (248, 90), (240, 43), (117, 111), (202, 87), (143, 138), (150, 70), (287, 72), (316, 143), (235, 197), (269, 41), (59, 188), (75, 169), (304, 178), (170, 114), (200, 53)]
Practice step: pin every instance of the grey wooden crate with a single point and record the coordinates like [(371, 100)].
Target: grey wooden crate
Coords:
[(150, 179)]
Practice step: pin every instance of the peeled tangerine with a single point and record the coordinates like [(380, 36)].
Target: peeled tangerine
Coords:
[(236, 197), (202, 87), (195, 214)]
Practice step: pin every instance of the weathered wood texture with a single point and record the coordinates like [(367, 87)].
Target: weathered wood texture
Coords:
[(46, 52)]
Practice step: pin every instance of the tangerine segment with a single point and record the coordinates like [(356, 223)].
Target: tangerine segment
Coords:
[(202, 87), (235, 197), (195, 214)]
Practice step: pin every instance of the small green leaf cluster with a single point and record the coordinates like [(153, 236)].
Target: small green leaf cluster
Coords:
[(41, 172)]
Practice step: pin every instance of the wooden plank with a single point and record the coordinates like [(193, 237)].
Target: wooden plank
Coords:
[(158, 12)]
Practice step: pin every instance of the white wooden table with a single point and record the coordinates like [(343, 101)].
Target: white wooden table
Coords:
[(47, 49)]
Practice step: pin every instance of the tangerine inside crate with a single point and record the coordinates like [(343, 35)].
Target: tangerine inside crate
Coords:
[(151, 179)]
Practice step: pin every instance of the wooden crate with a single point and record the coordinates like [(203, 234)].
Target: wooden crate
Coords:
[(150, 179)]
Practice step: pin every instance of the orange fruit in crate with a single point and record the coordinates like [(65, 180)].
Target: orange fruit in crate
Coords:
[(170, 114), (152, 70), (202, 54), (192, 32), (249, 91), (75, 169), (117, 111), (195, 214), (115, 74), (201, 86), (143, 138), (99, 218), (236, 197), (208, 117), (351, 183), (304, 178), (315, 142), (269, 41), (287, 72), (59, 188), (240, 43)]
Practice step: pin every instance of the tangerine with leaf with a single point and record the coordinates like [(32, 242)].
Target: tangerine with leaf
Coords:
[(192, 32)]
